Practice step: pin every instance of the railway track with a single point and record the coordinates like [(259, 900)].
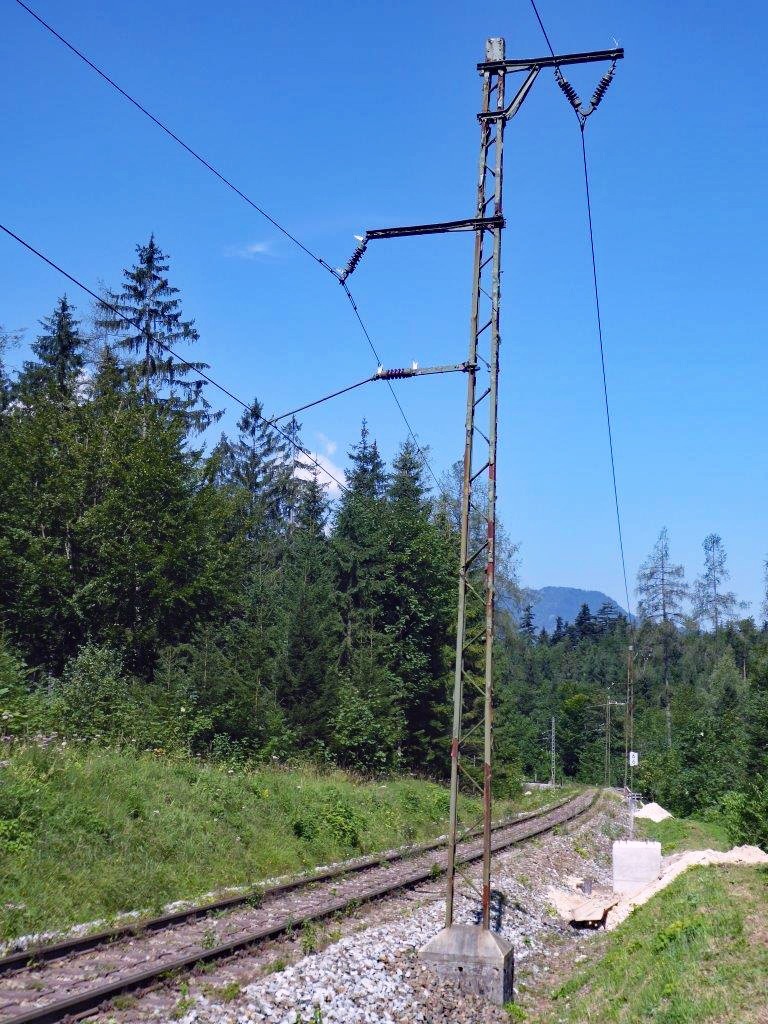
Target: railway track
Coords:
[(74, 977)]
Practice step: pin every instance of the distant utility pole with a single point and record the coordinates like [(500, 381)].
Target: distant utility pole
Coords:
[(552, 754), (629, 720), (608, 745)]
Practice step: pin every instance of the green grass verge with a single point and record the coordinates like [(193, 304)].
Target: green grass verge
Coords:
[(677, 834), (89, 833), (695, 953)]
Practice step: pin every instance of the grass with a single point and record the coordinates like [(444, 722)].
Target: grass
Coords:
[(678, 834), (695, 953), (89, 833)]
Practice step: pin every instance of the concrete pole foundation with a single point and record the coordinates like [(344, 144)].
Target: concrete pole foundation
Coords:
[(476, 959), (635, 865)]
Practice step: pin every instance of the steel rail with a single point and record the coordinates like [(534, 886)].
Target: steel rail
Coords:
[(532, 824), (25, 958)]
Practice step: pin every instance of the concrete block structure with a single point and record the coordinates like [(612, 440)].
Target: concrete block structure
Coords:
[(635, 865), (477, 959)]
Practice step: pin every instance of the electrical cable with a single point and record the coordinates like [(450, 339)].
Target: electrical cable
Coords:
[(541, 26), (176, 138), (602, 365), (325, 398), (424, 460), (129, 320), (226, 181), (629, 736), (582, 125)]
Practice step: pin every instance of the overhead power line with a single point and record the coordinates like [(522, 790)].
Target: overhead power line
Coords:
[(246, 198), (582, 119), (193, 153), (129, 320)]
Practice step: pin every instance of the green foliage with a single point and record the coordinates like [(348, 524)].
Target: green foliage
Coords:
[(691, 955), (88, 832), (677, 834), (746, 813)]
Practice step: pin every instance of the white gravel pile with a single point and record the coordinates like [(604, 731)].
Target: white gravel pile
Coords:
[(653, 812)]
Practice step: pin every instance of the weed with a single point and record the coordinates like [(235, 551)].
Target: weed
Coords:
[(309, 937), (275, 966), (182, 1007), (435, 871), (226, 993), (677, 933), (124, 1002), (335, 934), (208, 940), (515, 1012)]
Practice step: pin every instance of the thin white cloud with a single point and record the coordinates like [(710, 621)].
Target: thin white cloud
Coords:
[(251, 251), (329, 445), (326, 463)]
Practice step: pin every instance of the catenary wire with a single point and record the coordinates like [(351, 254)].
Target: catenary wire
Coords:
[(176, 138), (598, 313), (129, 320), (424, 459), (226, 181), (325, 398)]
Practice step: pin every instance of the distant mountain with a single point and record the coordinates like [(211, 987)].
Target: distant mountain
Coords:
[(549, 602)]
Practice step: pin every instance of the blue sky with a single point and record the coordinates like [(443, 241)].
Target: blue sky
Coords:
[(340, 117)]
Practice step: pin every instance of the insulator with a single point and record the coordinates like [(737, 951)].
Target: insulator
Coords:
[(397, 374), (602, 88), (570, 93), (355, 258)]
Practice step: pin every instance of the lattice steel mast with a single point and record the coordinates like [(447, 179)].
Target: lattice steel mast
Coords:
[(484, 344)]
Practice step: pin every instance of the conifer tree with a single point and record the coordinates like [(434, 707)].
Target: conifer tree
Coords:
[(527, 624), (710, 601), (260, 464), (419, 609), (307, 673), (662, 589), (60, 357), (583, 625), (360, 545), (151, 323)]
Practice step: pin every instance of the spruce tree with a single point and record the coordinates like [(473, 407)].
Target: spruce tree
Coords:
[(307, 671), (419, 609), (149, 325), (527, 624), (60, 357), (710, 601), (260, 464), (360, 545), (662, 589)]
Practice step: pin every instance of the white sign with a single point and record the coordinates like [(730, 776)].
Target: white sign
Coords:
[(633, 759)]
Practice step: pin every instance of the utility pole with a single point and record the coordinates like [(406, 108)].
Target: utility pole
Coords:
[(629, 720), (476, 957), (552, 754), (607, 773), (607, 766)]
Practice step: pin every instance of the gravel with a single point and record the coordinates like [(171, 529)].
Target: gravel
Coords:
[(374, 974)]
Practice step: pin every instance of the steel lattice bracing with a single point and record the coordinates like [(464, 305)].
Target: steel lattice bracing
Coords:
[(480, 467)]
